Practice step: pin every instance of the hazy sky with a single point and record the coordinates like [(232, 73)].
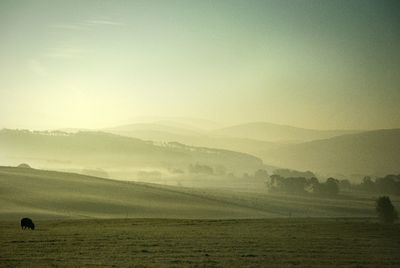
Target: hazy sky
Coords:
[(317, 64)]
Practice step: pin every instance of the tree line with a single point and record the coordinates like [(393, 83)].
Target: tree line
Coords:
[(390, 184), (294, 182), (302, 185)]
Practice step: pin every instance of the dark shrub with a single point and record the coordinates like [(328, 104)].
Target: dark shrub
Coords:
[(385, 209)]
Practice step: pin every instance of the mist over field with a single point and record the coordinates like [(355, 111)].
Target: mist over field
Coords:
[(199, 133)]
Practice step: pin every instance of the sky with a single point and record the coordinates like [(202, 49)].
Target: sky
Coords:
[(93, 64)]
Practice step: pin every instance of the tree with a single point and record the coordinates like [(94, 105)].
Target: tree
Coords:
[(201, 169), (332, 186), (287, 173), (295, 185), (328, 188), (291, 185), (344, 184), (313, 185), (274, 182), (385, 209), (367, 184), (389, 184), (23, 165), (261, 175)]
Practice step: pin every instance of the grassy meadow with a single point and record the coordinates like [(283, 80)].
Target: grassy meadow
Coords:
[(84, 221), (201, 243), (42, 194), (99, 199)]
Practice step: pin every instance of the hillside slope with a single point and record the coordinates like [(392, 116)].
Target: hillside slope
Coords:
[(107, 151), (372, 153), (165, 133), (26, 192), (147, 130), (264, 131), (49, 194)]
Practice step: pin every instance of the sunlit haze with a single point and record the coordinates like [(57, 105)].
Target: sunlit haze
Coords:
[(200, 133), (93, 64)]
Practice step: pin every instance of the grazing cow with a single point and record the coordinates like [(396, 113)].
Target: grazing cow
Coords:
[(27, 223)]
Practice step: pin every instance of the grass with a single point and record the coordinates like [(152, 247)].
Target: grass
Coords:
[(201, 243), (77, 225), (43, 194), (56, 195)]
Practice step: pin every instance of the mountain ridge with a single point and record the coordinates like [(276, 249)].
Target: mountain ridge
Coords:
[(266, 131), (375, 152)]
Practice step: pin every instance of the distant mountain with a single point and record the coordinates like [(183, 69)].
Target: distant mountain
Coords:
[(162, 132), (373, 153), (159, 131), (264, 131), (181, 122), (73, 130)]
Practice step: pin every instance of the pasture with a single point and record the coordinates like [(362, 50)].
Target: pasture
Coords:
[(41, 194), (307, 242)]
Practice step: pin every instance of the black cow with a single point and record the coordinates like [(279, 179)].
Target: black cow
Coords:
[(27, 223)]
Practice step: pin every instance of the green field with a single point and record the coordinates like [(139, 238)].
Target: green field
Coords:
[(88, 221), (41, 194), (201, 243)]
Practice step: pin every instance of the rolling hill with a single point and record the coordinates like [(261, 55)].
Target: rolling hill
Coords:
[(40, 194), (148, 131), (264, 131), (178, 122), (60, 150), (49, 194), (166, 133), (370, 153)]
